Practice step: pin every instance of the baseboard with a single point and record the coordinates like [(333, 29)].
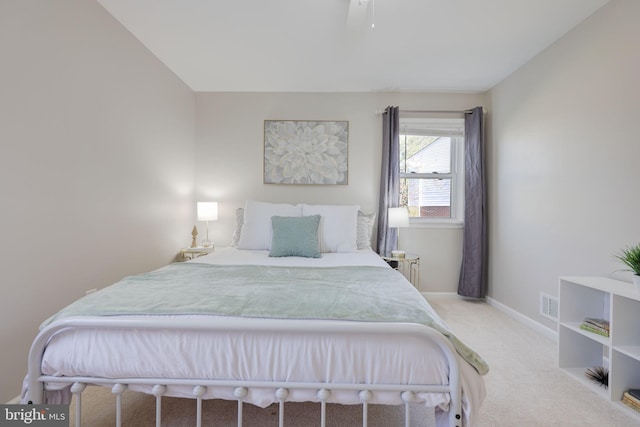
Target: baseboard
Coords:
[(14, 401), (440, 294), (523, 319)]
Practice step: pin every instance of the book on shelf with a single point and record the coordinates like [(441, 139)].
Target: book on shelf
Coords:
[(631, 398), (591, 328), (631, 401), (635, 392), (599, 323)]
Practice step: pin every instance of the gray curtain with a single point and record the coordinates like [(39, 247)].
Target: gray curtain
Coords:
[(473, 273), (389, 178)]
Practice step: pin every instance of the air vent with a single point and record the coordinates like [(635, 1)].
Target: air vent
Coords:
[(548, 306)]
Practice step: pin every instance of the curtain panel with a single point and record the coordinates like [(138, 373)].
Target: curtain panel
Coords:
[(473, 272), (389, 179)]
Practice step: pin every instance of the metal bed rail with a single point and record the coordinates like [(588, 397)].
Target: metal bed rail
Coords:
[(37, 380)]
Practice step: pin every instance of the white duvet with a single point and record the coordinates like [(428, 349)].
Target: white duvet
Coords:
[(232, 256), (297, 357)]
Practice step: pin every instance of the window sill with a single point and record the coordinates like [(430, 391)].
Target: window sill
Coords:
[(422, 223)]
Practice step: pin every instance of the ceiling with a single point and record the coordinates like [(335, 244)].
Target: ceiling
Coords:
[(330, 45)]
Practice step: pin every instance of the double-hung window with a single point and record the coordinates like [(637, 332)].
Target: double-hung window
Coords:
[(431, 169)]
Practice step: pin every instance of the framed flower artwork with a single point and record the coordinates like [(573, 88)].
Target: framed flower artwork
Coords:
[(306, 152)]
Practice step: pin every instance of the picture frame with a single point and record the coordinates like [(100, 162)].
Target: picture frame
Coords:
[(308, 152)]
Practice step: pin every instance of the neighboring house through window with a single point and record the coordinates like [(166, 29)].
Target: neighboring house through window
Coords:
[(431, 169)]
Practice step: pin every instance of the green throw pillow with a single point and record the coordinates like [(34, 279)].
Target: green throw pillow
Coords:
[(295, 236)]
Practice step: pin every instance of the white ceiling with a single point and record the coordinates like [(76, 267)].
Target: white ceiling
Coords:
[(329, 45)]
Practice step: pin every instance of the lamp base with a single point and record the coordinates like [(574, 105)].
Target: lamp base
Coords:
[(207, 244), (194, 235), (397, 254)]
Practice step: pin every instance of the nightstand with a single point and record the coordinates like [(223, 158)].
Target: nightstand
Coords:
[(408, 265), (191, 253)]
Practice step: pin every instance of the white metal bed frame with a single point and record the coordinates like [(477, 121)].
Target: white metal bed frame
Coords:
[(365, 392)]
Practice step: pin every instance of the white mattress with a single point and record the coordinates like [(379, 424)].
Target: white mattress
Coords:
[(302, 357)]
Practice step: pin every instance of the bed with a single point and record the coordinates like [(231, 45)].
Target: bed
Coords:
[(279, 316)]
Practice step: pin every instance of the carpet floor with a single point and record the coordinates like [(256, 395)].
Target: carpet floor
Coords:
[(139, 411), (525, 387)]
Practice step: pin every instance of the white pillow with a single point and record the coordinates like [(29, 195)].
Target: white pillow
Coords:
[(365, 229), (238, 230), (256, 228), (338, 229)]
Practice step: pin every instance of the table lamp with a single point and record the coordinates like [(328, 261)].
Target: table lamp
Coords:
[(207, 211), (398, 217)]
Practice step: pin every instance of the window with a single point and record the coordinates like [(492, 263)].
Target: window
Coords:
[(431, 172)]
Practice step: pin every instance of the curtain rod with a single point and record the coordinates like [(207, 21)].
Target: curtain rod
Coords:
[(438, 111), (484, 111)]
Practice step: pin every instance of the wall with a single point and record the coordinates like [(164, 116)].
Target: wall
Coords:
[(96, 164), (229, 161), (563, 162)]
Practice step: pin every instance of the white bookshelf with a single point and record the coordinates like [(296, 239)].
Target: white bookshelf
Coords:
[(578, 350)]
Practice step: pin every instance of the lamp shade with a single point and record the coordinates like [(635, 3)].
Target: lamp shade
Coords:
[(207, 211), (398, 217)]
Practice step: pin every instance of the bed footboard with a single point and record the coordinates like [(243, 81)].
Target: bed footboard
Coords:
[(323, 391)]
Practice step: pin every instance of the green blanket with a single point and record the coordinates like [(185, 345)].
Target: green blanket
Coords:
[(372, 294)]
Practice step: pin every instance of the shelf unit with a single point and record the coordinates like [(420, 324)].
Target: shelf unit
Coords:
[(578, 350)]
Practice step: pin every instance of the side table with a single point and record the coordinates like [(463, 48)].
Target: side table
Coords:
[(191, 253), (409, 266)]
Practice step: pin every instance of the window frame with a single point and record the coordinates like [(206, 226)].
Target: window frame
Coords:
[(448, 127)]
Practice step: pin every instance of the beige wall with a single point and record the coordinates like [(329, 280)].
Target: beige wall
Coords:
[(98, 141), (229, 155), (563, 161), (96, 164)]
